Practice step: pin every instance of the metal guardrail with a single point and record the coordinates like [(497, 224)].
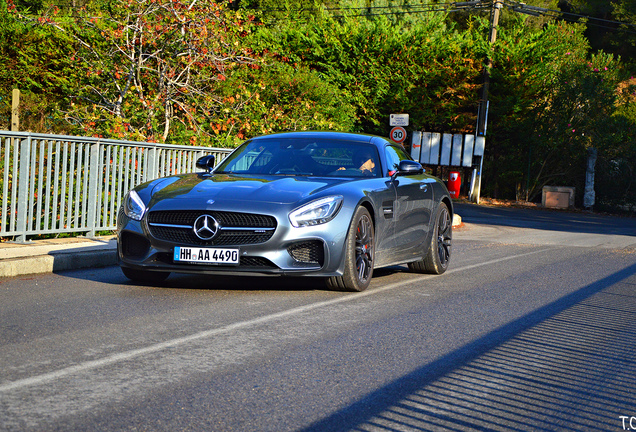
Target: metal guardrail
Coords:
[(54, 184)]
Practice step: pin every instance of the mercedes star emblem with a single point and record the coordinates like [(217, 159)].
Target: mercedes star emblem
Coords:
[(205, 227)]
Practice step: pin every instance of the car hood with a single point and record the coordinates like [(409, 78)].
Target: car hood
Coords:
[(199, 189)]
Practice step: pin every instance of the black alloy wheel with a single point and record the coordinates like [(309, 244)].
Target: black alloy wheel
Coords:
[(364, 249), (359, 253), (439, 249), (444, 233)]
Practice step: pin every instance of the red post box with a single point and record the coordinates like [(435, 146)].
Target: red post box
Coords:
[(454, 183)]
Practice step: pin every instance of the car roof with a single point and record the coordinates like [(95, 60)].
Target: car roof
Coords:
[(342, 136)]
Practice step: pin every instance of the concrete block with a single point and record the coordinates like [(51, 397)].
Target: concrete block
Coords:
[(558, 197)]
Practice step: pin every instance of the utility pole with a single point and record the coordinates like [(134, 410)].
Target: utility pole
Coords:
[(15, 111), (482, 114)]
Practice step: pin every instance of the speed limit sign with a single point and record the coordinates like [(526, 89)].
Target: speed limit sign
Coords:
[(398, 134)]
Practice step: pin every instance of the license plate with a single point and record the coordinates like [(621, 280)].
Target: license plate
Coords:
[(206, 255)]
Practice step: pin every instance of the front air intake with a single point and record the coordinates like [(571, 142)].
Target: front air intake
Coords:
[(309, 252), (133, 245)]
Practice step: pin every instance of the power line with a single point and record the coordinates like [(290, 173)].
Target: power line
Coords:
[(423, 8), (538, 11), (448, 7), (402, 12)]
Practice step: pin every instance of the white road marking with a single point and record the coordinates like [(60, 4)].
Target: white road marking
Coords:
[(127, 355)]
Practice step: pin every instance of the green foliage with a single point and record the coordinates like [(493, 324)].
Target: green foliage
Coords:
[(279, 9), (606, 35), (550, 102), (29, 5), (179, 72), (205, 73), (616, 166), (151, 70), (33, 55), (623, 42), (425, 69), (279, 98)]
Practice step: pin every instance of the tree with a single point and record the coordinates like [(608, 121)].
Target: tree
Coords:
[(33, 56), (550, 101), (425, 69), (152, 69), (278, 98), (616, 165), (607, 35)]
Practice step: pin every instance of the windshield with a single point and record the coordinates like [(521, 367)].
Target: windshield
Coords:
[(303, 157)]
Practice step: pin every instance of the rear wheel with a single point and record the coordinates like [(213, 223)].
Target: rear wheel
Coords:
[(146, 276), (439, 249), (359, 252)]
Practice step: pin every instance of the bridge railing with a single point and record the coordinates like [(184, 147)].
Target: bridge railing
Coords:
[(52, 184)]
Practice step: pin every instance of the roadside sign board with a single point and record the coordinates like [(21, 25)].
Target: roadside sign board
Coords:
[(398, 120), (398, 134)]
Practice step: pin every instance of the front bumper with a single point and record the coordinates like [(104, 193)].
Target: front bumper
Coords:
[(307, 251)]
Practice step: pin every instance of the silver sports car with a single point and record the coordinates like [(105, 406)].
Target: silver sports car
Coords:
[(323, 204)]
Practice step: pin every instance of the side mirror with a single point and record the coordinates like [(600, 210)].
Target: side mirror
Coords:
[(409, 167), (206, 163)]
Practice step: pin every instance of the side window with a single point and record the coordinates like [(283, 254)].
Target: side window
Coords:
[(393, 157), (402, 153)]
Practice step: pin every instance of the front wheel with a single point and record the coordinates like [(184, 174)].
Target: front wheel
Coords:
[(439, 249), (144, 276), (359, 253)]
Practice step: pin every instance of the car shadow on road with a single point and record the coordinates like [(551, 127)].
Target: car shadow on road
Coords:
[(243, 283), (113, 276), (261, 283), (543, 372)]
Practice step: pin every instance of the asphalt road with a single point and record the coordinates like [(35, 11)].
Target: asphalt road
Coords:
[(532, 328)]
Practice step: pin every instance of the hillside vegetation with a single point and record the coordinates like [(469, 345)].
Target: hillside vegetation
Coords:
[(214, 74)]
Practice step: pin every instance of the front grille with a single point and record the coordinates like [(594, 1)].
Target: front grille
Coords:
[(309, 252), (254, 228), (224, 238), (228, 219)]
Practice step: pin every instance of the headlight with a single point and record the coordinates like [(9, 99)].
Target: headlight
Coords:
[(316, 212), (134, 207)]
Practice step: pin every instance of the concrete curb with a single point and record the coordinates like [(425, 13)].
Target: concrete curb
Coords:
[(48, 256), (56, 262)]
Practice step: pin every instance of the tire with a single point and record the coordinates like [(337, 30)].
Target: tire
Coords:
[(439, 249), (144, 276), (359, 254)]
